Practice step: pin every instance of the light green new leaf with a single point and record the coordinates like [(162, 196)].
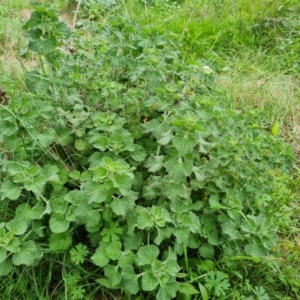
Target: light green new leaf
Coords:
[(111, 272), (10, 190), (17, 226), (27, 255), (129, 279), (146, 255), (94, 192), (149, 281), (58, 223), (275, 128), (5, 267)]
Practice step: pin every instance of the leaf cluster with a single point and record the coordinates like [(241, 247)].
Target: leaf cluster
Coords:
[(123, 156)]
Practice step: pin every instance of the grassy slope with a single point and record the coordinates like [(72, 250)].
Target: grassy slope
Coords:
[(254, 48)]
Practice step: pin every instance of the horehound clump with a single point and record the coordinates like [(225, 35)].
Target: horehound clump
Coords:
[(124, 160)]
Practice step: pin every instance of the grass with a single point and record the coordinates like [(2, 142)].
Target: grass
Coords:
[(254, 48)]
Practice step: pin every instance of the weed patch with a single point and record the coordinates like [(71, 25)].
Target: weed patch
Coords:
[(125, 172)]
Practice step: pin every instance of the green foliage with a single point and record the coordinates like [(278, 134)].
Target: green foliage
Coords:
[(125, 159)]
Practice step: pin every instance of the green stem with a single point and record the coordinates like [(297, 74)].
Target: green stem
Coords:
[(186, 261)]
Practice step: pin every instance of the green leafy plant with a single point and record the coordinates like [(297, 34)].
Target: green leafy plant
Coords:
[(123, 157)]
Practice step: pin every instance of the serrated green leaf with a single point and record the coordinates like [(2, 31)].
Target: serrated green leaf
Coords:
[(149, 281), (181, 234), (144, 220), (94, 192), (58, 223), (46, 137), (179, 169), (36, 185), (130, 282), (127, 258), (162, 234), (81, 144), (58, 205), (27, 255), (75, 197), (101, 143), (165, 137), (17, 226), (256, 250), (100, 257), (75, 175), (122, 206), (171, 267), (64, 136), (3, 255), (123, 182), (184, 143), (10, 190), (111, 272), (5, 267), (113, 250), (168, 291), (146, 255), (207, 251), (105, 282), (60, 242), (139, 154), (13, 245), (154, 163)]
